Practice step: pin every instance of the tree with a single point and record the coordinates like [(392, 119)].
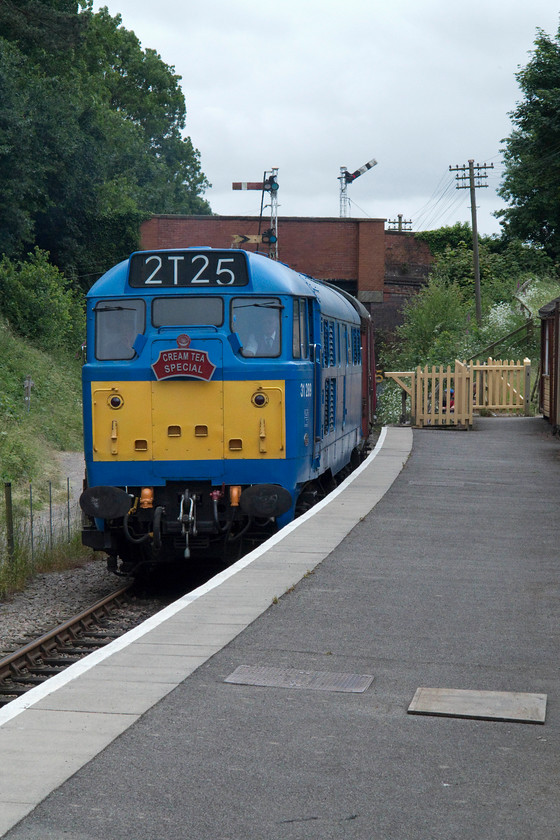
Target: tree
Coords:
[(449, 236), (91, 136), (532, 162), (44, 30), (39, 304), (504, 263), (17, 202), (147, 142)]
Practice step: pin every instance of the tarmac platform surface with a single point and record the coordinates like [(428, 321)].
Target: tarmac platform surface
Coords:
[(444, 573)]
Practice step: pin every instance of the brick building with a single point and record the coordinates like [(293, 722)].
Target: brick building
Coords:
[(382, 268)]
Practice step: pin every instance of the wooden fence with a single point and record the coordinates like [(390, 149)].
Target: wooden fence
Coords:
[(446, 396), (502, 386)]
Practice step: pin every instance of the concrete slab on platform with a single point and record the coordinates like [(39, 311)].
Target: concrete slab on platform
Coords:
[(486, 705)]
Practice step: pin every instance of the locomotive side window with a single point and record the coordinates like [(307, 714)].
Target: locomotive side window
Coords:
[(303, 329), (296, 336), (187, 311), (300, 345), (117, 324), (257, 323)]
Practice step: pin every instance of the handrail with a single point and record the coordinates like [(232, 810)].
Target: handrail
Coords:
[(483, 352)]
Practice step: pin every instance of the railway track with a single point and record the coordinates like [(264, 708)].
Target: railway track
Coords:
[(93, 628), (69, 642)]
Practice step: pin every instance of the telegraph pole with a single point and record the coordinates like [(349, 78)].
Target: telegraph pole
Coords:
[(400, 224), (474, 180)]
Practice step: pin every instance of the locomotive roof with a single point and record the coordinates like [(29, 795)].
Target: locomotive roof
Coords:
[(266, 277)]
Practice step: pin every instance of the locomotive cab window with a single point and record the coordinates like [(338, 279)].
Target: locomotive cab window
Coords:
[(187, 311), (257, 323), (117, 324)]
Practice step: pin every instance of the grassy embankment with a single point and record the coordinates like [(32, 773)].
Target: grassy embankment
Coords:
[(29, 441)]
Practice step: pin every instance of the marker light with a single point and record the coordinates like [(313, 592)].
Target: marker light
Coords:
[(234, 495), (259, 399), (147, 497)]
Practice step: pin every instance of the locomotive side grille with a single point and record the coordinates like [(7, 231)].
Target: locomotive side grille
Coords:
[(329, 409)]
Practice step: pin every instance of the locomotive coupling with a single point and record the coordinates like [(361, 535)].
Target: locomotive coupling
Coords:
[(187, 518)]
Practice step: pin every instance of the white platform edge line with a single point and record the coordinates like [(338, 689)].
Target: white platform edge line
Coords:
[(26, 701)]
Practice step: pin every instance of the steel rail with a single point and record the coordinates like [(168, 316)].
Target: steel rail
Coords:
[(59, 635)]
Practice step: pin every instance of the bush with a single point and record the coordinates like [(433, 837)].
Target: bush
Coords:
[(39, 304), (435, 323), (28, 438)]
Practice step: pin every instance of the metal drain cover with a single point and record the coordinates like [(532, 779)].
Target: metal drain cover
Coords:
[(487, 705), (290, 678)]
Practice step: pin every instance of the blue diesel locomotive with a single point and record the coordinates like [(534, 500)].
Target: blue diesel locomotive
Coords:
[(223, 395)]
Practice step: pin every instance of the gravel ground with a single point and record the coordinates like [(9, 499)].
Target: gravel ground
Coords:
[(51, 599)]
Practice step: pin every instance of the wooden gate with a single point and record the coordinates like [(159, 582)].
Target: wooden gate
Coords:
[(502, 386), (442, 396)]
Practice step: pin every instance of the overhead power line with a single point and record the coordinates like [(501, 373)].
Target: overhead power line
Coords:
[(437, 208)]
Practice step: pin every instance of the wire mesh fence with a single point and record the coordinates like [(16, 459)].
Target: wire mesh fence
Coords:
[(31, 528)]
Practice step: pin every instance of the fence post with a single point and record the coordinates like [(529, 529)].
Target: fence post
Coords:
[(27, 386), (403, 407), (10, 545), (68, 505), (31, 522), (419, 401), (527, 391), (50, 517)]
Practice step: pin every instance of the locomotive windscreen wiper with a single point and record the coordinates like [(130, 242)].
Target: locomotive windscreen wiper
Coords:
[(259, 305), (114, 308)]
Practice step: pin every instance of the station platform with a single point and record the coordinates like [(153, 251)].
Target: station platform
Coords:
[(273, 702)]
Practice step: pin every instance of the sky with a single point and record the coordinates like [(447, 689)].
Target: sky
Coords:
[(309, 86)]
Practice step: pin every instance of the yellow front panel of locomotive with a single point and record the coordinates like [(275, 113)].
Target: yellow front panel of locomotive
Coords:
[(254, 421), (121, 421), (187, 420)]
